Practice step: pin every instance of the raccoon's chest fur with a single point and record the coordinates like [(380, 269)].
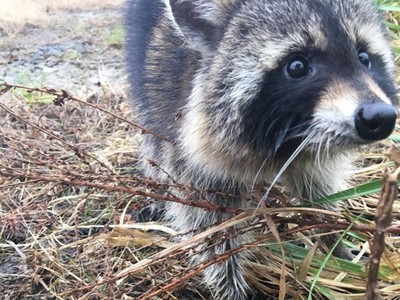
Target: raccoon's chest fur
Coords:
[(252, 91)]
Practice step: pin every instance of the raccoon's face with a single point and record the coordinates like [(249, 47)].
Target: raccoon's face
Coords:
[(277, 74), (326, 75)]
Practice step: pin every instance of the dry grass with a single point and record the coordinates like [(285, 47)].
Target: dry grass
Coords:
[(43, 224), (69, 190)]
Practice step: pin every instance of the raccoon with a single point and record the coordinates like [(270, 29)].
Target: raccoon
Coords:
[(249, 92)]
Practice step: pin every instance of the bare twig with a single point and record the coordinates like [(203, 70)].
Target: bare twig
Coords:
[(51, 189), (62, 96), (383, 220)]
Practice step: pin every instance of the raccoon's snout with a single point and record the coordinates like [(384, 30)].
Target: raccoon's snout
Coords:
[(375, 121)]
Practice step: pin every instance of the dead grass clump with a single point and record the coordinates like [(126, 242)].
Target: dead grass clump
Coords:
[(70, 189)]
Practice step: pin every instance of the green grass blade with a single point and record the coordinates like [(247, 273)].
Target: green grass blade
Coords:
[(358, 191)]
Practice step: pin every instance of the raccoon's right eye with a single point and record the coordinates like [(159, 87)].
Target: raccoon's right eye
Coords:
[(298, 67), (364, 59)]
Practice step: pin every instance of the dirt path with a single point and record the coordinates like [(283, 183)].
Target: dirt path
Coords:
[(65, 45)]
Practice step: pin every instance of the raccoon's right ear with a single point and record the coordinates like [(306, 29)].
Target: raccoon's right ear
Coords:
[(199, 20)]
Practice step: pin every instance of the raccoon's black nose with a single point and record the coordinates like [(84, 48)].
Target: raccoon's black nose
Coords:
[(375, 121)]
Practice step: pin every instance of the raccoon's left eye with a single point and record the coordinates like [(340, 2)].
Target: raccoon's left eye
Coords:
[(298, 67), (364, 59)]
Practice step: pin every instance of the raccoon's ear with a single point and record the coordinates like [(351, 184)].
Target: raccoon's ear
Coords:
[(199, 20)]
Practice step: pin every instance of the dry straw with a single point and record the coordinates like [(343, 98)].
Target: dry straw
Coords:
[(70, 191)]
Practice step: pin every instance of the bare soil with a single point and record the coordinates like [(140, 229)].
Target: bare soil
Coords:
[(64, 44)]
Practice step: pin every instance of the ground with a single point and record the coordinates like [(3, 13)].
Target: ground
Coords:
[(70, 45), (64, 44), (70, 185)]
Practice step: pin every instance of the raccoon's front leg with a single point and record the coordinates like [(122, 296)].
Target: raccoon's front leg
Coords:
[(226, 278)]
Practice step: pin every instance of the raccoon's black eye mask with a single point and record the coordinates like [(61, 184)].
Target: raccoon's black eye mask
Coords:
[(299, 65)]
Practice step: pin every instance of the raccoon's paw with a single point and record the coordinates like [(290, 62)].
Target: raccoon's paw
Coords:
[(150, 213), (354, 252), (341, 250)]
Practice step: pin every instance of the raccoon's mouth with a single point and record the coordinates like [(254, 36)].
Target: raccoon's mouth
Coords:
[(288, 147), (327, 133), (291, 139), (324, 141)]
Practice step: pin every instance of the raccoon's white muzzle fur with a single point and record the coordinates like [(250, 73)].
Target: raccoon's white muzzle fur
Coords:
[(252, 91)]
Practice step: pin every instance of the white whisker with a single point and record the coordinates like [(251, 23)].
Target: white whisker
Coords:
[(258, 174), (318, 157), (303, 144)]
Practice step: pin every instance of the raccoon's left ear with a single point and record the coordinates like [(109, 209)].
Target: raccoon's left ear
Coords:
[(199, 20)]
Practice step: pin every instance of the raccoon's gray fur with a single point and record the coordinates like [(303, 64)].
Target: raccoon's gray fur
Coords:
[(250, 91)]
